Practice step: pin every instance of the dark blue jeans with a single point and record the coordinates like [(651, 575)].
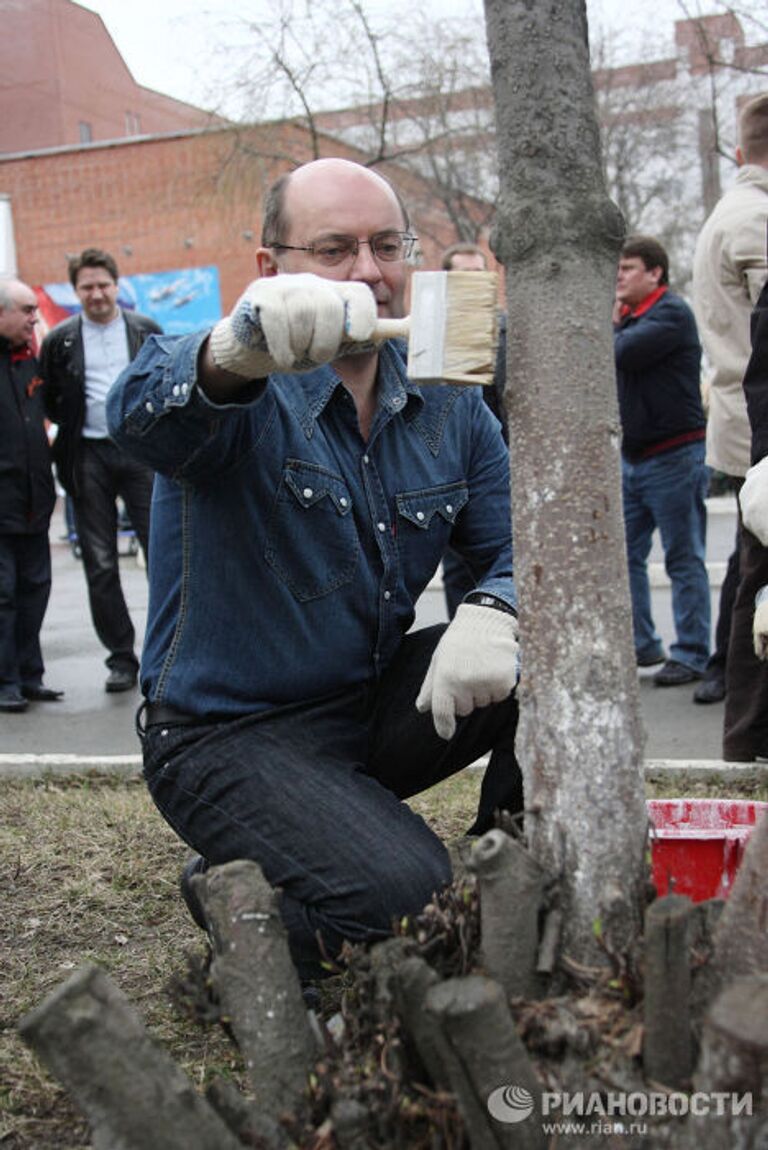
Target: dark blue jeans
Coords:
[(25, 585), (313, 793), (667, 491)]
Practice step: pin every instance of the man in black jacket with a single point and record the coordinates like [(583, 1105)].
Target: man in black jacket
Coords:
[(80, 359), (27, 498), (745, 726)]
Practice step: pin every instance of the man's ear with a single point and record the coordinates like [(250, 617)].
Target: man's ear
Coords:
[(739, 156), (266, 263)]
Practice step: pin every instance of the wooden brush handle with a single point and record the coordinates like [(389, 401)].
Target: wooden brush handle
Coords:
[(392, 328)]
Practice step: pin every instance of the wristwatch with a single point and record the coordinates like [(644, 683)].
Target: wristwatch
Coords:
[(483, 599)]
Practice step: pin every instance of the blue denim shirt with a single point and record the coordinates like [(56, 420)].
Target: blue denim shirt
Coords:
[(286, 553)]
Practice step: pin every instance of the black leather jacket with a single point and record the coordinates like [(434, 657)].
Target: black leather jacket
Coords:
[(62, 365), (756, 379), (27, 495)]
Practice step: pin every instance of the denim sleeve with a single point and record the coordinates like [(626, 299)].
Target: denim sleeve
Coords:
[(484, 535), (157, 412)]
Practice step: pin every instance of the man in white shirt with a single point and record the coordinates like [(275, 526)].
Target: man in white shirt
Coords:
[(80, 359)]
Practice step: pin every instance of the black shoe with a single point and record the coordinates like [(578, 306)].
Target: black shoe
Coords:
[(650, 660), (674, 674), (196, 865), (120, 679), (37, 693), (710, 690), (12, 701)]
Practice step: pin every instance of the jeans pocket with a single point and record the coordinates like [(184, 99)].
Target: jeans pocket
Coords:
[(312, 542)]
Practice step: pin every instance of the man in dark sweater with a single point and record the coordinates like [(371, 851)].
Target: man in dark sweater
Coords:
[(27, 498), (664, 476)]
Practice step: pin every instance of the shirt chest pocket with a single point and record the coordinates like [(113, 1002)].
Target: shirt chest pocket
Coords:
[(425, 519), (312, 541), (433, 508)]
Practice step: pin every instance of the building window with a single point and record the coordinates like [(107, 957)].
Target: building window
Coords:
[(132, 124), (86, 132)]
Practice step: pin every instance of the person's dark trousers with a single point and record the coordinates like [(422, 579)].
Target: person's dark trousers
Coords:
[(458, 580), (745, 727), (718, 658), (25, 585), (313, 793), (104, 473)]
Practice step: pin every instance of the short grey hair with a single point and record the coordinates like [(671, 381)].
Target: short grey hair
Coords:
[(6, 294)]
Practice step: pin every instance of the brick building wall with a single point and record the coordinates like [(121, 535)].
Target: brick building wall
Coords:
[(64, 82), (191, 200)]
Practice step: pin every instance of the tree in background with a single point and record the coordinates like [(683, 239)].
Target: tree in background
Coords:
[(405, 88)]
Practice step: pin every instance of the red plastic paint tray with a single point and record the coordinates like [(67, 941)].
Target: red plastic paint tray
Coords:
[(698, 844)]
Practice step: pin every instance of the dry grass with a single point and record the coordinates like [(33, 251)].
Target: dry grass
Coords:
[(89, 872)]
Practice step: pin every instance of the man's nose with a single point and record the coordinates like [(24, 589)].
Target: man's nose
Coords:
[(365, 265)]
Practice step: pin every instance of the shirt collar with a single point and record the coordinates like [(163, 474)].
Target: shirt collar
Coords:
[(312, 391), (645, 304), (21, 351)]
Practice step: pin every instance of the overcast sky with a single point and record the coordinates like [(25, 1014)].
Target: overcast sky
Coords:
[(166, 43)]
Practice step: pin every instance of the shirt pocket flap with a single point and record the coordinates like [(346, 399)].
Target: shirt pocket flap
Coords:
[(420, 507), (310, 484)]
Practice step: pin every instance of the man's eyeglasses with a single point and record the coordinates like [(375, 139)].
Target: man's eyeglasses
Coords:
[(389, 247)]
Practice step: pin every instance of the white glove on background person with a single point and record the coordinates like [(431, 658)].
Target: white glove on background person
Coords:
[(292, 321), (474, 664), (760, 624), (753, 500)]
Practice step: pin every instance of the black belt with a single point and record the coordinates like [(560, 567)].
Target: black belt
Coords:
[(158, 714)]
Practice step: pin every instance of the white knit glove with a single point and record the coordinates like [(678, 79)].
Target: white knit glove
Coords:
[(474, 664), (753, 499), (292, 322), (760, 624)]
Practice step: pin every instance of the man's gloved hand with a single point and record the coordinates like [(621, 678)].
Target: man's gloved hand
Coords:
[(474, 664), (289, 322), (753, 500), (760, 624)]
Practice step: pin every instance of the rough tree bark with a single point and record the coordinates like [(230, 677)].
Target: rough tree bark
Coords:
[(558, 235), (741, 936), (257, 984)]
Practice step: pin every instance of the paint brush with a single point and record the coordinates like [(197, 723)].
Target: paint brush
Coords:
[(452, 330)]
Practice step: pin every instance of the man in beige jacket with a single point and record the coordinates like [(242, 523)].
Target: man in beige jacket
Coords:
[(729, 269)]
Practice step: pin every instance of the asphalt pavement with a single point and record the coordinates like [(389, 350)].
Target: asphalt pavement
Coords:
[(93, 728)]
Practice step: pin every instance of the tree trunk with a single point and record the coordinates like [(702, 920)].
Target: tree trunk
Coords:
[(579, 742), (132, 1092), (741, 936)]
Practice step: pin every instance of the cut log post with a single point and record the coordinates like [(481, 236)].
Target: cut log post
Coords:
[(741, 936), (351, 1124), (490, 1073), (731, 1080), (412, 979), (252, 1129), (132, 1092), (511, 886), (667, 1042), (257, 985)]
